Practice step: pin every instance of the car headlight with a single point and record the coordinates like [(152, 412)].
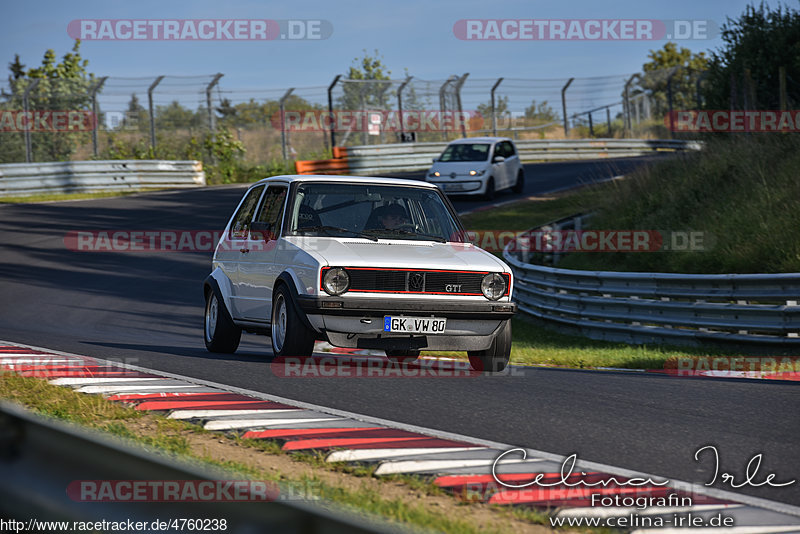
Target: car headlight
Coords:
[(434, 174), (335, 281), (493, 286), (477, 173)]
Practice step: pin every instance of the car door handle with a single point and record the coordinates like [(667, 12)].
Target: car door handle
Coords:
[(244, 250)]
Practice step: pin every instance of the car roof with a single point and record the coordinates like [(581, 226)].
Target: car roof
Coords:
[(479, 140), (346, 179)]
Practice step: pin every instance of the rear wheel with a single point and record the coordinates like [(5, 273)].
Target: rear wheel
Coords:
[(220, 334), (520, 184), (489, 193), (402, 356), (290, 337), (495, 358)]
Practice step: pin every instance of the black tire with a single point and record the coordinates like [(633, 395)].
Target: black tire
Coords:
[(402, 356), (520, 183), (490, 191), (219, 332), (495, 358), (290, 337)]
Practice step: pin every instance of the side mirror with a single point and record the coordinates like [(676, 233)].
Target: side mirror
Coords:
[(498, 159), (435, 160)]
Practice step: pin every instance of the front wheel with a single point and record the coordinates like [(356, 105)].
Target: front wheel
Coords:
[(495, 358), (220, 334), (489, 193), (402, 356), (290, 337), (520, 184)]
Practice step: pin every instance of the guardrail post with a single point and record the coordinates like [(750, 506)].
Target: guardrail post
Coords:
[(93, 94), (28, 149), (400, 104), (458, 86), (152, 115), (608, 119), (591, 126), (564, 105), (284, 133), (626, 106), (442, 106), (494, 114), (330, 110)]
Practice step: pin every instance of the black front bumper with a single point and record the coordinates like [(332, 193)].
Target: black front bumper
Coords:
[(450, 309)]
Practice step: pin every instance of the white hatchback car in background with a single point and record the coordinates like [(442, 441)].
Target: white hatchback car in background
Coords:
[(478, 166), (374, 263)]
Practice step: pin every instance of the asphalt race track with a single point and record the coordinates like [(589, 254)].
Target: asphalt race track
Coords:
[(146, 308)]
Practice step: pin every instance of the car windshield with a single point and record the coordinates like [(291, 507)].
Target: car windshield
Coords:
[(372, 212), (465, 152)]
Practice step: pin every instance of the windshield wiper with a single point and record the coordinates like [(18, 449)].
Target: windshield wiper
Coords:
[(438, 239), (328, 229)]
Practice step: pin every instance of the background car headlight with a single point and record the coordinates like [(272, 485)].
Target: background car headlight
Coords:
[(493, 286), (335, 281), (477, 173), (434, 174)]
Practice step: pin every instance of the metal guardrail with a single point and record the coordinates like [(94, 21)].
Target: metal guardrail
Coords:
[(40, 458), (372, 159), (659, 307), (18, 179)]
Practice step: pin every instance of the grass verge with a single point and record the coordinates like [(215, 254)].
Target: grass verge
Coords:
[(60, 197), (410, 501)]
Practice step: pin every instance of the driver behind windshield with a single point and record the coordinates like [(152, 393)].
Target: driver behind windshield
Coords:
[(390, 217)]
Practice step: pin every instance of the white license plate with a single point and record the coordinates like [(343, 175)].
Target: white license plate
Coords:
[(453, 187), (414, 325)]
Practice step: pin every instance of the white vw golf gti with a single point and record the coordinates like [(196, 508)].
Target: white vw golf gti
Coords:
[(373, 263)]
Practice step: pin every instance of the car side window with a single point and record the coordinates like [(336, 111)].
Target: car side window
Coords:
[(271, 212), (240, 227), (509, 149)]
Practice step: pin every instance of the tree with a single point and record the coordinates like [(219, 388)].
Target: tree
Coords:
[(746, 67), (367, 84), (63, 86), (656, 76), (136, 117), (542, 112)]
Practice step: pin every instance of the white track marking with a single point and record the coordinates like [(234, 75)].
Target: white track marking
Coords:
[(580, 465), (88, 381), (235, 424), (356, 455), (416, 466), (201, 414)]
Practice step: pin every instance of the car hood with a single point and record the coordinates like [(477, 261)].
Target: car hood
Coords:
[(355, 252), (458, 167)]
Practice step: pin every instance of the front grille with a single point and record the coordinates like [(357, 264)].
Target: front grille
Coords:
[(415, 281)]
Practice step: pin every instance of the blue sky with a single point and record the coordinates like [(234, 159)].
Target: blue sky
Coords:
[(413, 34)]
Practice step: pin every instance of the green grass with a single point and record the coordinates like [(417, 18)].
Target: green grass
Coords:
[(59, 197), (535, 344), (526, 214), (170, 437), (742, 192)]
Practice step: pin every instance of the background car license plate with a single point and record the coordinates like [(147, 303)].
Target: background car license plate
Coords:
[(414, 325)]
